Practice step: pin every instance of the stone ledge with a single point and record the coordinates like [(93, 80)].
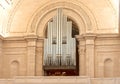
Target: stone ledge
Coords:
[(59, 80)]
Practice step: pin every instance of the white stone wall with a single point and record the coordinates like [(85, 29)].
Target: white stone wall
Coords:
[(14, 57), (62, 80), (107, 51), (23, 56)]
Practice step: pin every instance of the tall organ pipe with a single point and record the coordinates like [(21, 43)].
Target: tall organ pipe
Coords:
[(59, 42)]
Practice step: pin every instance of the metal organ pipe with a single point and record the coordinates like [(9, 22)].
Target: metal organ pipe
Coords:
[(57, 34), (59, 45), (51, 54)]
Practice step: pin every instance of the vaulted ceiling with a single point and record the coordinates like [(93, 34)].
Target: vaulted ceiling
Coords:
[(17, 15)]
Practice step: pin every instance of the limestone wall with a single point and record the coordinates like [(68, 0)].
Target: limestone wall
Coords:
[(107, 51), (14, 60), (60, 80), (23, 56)]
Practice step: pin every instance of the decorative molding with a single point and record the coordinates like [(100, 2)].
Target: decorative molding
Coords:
[(12, 13), (89, 36), (82, 51), (83, 12), (82, 36), (108, 35), (13, 38), (31, 37)]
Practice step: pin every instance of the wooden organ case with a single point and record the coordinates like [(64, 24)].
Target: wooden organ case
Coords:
[(59, 47)]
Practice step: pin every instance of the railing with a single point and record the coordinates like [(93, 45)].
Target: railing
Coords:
[(59, 80)]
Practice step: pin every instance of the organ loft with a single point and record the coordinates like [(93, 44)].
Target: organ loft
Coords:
[(60, 47)]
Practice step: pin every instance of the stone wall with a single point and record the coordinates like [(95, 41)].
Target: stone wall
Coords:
[(23, 56), (107, 51), (59, 80), (14, 58), (99, 55)]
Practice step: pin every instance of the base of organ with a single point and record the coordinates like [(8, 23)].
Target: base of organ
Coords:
[(63, 72)]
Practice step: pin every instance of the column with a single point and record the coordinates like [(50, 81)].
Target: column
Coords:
[(81, 51), (31, 52), (39, 57), (1, 55), (90, 52)]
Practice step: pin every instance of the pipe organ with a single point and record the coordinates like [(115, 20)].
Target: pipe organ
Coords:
[(59, 46)]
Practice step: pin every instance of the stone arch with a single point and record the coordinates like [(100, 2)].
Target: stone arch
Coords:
[(82, 16), (108, 68), (14, 68)]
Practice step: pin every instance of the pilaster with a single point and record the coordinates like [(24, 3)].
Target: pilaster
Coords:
[(31, 53), (81, 51), (90, 52), (39, 56)]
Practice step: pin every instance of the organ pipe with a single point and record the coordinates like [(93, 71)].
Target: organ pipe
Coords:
[(59, 46)]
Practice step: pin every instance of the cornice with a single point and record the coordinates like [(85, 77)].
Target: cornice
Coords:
[(78, 37), (86, 36), (108, 35), (83, 36), (14, 38), (31, 37), (90, 35)]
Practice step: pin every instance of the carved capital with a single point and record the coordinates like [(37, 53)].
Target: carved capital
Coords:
[(82, 51), (79, 37), (90, 36), (31, 39)]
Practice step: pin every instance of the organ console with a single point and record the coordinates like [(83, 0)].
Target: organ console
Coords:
[(59, 46)]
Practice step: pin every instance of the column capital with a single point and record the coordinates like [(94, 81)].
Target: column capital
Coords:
[(79, 37), (31, 39), (90, 36), (41, 38), (86, 36)]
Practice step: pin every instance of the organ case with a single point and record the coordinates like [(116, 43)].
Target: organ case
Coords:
[(59, 46)]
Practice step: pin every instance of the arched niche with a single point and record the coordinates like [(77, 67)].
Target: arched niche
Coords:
[(108, 68), (14, 68), (78, 13), (42, 25)]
